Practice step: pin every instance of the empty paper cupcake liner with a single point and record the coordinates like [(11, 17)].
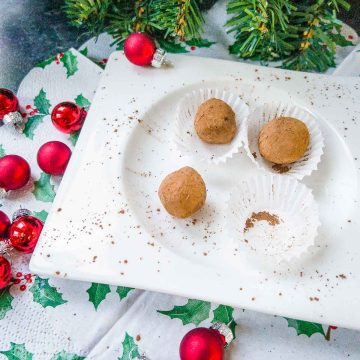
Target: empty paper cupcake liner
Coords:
[(273, 218), (261, 116), (186, 138)]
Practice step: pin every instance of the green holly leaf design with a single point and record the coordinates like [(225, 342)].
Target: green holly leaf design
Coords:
[(5, 302), (31, 124), (43, 190), (172, 47), (42, 215), (43, 105), (45, 63), (194, 312), (2, 151), (45, 294), (223, 314), (201, 43), (63, 355), (97, 293), (305, 327), (70, 63), (120, 45), (123, 291), (84, 51), (17, 352), (73, 138), (340, 39), (82, 101), (130, 349)]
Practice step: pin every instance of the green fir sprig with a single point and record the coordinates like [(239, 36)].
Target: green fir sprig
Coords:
[(301, 34)]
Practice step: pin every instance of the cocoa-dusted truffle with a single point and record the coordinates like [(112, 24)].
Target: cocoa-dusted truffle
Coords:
[(183, 192), (215, 122), (284, 140)]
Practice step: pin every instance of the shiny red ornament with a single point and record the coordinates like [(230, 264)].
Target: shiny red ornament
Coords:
[(53, 157), (14, 172), (4, 225), (5, 272), (8, 102), (139, 49), (9, 110), (202, 344), (68, 117), (24, 233)]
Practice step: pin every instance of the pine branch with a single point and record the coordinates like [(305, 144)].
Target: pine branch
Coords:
[(180, 19), (303, 33), (261, 28), (88, 14)]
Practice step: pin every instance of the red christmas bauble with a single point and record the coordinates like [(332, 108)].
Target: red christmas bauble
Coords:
[(68, 117), (53, 157), (5, 272), (4, 225), (8, 102), (139, 48), (202, 344), (14, 172), (24, 233)]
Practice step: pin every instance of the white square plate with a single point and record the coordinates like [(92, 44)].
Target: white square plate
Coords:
[(107, 223)]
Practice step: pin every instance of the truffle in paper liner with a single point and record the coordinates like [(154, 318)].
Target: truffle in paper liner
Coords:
[(261, 115), (186, 138), (273, 218)]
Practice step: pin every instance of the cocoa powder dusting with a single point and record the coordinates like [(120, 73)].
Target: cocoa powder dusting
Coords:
[(280, 168), (272, 219)]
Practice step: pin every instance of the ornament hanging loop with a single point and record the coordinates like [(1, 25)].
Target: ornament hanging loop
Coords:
[(20, 213), (160, 59), (223, 330)]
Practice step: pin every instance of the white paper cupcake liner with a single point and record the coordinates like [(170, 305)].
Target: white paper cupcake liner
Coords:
[(186, 138), (261, 116), (293, 219)]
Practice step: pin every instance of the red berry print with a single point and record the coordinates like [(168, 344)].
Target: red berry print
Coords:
[(61, 55), (350, 37), (31, 111), (17, 281), (19, 274), (22, 287), (193, 48), (27, 276)]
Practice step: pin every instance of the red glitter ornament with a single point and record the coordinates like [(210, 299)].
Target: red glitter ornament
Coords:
[(53, 157), (9, 108), (5, 272), (68, 117), (206, 344), (4, 225), (14, 172), (140, 49), (24, 232)]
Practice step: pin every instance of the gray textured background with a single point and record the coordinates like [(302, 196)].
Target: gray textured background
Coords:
[(33, 30)]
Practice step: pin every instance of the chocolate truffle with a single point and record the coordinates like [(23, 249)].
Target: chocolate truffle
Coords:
[(215, 122), (284, 140), (183, 192)]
